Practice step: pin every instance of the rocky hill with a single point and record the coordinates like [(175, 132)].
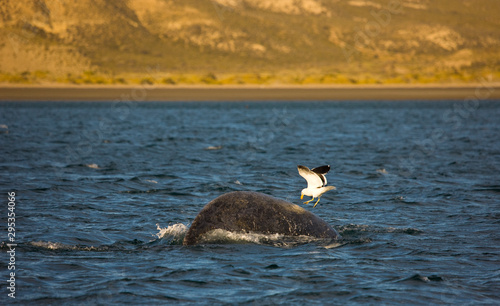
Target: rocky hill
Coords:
[(249, 41)]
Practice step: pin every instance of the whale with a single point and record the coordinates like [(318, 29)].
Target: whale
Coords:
[(254, 212)]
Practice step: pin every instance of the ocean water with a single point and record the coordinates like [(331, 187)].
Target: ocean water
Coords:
[(105, 192)]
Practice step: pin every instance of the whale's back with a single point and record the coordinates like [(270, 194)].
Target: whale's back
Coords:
[(244, 211)]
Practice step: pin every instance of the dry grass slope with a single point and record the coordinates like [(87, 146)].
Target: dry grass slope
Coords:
[(249, 41)]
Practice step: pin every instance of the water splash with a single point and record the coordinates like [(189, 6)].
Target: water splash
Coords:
[(173, 234), (220, 236), (66, 247)]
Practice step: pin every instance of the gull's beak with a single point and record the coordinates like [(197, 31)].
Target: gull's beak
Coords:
[(301, 196)]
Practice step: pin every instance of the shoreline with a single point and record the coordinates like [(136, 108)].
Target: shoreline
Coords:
[(178, 93)]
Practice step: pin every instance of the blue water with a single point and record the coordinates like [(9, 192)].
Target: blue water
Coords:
[(106, 191)]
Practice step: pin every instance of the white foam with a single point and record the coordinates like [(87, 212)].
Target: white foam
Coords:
[(50, 245), (223, 236), (213, 148), (382, 171), (93, 166), (61, 246), (334, 245), (220, 236), (173, 233)]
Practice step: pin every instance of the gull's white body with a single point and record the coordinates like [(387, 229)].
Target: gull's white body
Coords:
[(316, 192), (316, 182)]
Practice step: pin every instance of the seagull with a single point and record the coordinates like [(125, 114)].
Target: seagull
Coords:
[(316, 182)]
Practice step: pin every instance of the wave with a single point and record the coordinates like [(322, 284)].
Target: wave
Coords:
[(48, 245), (174, 235), (220, 236), (352, 229)]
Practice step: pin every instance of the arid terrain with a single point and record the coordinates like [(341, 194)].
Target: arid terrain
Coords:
[(249, 42)]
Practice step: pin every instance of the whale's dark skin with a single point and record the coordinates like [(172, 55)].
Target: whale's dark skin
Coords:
[(245, 211)]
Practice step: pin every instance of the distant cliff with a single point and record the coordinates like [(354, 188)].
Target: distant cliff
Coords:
[(249, 41)]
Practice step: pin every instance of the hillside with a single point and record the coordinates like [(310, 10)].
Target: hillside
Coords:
[(249, 41)]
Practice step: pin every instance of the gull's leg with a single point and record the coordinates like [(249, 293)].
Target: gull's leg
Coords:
[(317, 202), (307, 202)]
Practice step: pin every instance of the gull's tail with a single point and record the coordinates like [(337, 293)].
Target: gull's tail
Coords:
[(328, 188)]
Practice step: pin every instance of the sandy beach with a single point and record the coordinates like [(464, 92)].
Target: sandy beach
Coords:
[(247, 92)]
